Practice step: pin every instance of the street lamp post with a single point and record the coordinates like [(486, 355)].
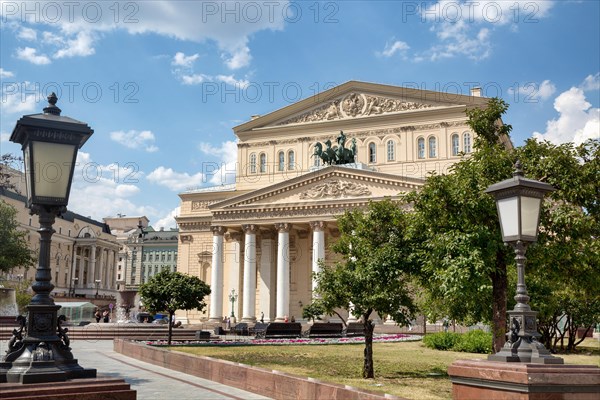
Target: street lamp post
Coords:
[(39, 349), (74, 283), (232, 298), (519, 201), (97, 282)]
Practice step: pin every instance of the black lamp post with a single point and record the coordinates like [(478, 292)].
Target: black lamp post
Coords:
[(232, 298), (519, 202), (39, 349)]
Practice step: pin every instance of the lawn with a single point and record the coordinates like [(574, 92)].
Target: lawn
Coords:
[(405, 369)]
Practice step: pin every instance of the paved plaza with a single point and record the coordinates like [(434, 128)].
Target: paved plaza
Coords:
[(151, 382)]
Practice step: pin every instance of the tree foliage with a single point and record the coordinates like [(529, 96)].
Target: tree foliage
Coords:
[(459, 247), (14, 251), (374, 272), (172, 291)]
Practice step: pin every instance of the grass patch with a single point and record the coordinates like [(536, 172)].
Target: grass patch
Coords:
[(405, 369)]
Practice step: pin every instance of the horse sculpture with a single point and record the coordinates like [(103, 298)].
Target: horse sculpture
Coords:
[(338, 155)]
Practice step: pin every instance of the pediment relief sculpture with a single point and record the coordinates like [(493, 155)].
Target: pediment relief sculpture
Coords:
[(356, 105), (335, 188)]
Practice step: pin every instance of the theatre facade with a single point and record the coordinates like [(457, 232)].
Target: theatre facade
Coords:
[(259, 240)]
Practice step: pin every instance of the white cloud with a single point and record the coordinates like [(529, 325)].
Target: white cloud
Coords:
[(4, 137), (591, 82), (168, 221), (194, 79), (135, 139), (532, 91), (18, 98), (30, 54), (225, 169), (175, 181), (27, 34), (101, 190), (5, 74), (463, 27), (229, 25), (577, 120), (397, 47), (81, 46), (237, 58), (181, 60), (231, 80)]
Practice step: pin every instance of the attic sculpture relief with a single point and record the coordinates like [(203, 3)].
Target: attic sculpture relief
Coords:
[(335, 189), (356, 105)]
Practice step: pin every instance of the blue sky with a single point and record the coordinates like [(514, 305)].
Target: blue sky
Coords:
[(162, 83)]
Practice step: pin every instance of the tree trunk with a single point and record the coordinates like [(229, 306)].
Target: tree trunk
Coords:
[(499, 287), (171, 313), (368, 370)]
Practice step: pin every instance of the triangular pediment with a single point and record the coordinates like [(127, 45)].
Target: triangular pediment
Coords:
[(328, 185), (354, 100)]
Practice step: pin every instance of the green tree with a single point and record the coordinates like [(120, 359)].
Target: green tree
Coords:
[(172, 291), (374, 272), (455, 226), (14, 251)]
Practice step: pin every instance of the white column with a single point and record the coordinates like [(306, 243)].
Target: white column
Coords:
[(80, 282), (318, 252), (249, 294), (103, 267), (74, 269), (234, 275), (283, 271), (216, 276), (92, 271), (266, 282)]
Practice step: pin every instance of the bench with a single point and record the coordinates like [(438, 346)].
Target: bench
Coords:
[(219, 331), (202, 335), (325, 330), (355, 329), (281, 330), (241, 329), (259, 329)]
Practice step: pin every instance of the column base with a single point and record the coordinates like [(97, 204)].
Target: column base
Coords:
[(478, 379), (248, 320), (215, 319)]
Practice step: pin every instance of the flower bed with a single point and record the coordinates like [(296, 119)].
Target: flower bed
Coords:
[(300, 341)]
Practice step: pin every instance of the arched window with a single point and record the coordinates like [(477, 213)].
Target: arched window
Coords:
[(467, 142), (455, 145), (291, 160), (252, 163), (263, 163), (372, 153), (281, 157), (432, 147), (421, 148), (391, 150), (316, 158)]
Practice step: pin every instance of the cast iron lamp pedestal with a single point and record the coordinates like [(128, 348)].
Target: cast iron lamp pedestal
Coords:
[(39, 349)]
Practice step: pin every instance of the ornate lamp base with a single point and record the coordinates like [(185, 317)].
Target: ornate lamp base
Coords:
[(43, 355), (522, 345)]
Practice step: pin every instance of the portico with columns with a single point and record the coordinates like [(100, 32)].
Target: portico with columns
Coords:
[(266, 235)]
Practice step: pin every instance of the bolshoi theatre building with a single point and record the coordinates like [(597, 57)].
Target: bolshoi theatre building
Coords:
[(261, 238)]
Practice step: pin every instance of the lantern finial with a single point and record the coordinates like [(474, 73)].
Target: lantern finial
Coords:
[(52, 108), (518, 169)]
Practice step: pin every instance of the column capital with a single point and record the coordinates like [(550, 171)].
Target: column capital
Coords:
[(318, 226), (218, 230), (283, 227), (250, 229)]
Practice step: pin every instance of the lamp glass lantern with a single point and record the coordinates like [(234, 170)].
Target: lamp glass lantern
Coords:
[(519, 202)]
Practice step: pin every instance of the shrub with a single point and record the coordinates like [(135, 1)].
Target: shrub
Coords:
[(476, 341), (441, 340)]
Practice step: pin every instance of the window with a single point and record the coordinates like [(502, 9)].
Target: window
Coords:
[(291, 160), (391, 150), (421, 148), (263, 163), (316, 158), (372, 153), (455, 145), (467, 142), (281, 157), (252, 163), (432, 149)]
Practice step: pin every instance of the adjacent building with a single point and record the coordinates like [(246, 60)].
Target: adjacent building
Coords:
[(261, 238)]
